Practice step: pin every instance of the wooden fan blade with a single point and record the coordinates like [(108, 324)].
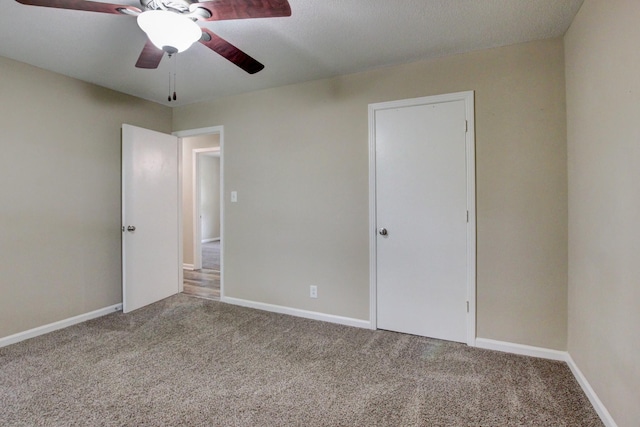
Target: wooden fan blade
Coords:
[(230, 52), (242, 9), (90, 6), (150, 56)]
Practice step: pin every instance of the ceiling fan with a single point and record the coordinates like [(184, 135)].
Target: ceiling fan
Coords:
[(171, 25)]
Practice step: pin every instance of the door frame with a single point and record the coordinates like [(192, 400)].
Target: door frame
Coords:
[(195, 197), (468, 98), (212, 130)]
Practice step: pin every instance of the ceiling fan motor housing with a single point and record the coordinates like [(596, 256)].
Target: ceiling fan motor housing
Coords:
[(170, 50), (180, 6)]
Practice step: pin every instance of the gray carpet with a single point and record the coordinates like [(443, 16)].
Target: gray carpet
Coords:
[(211, 255), (191, 362)]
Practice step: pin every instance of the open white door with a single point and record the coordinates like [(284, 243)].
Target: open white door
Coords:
[(150, 218)]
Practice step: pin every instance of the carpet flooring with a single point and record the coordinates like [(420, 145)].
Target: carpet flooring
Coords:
[(193, 362)]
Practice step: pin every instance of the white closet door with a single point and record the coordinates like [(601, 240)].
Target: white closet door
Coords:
[(421, 212)]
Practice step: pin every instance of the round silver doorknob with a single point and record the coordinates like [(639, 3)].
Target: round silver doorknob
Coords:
[(382, 231), (131, 228)]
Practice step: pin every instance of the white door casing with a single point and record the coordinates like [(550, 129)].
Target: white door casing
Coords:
[(422, 184), (151, 264), (206, 131)]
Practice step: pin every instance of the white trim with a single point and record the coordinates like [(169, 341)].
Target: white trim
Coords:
[(195, 209), (215, 239), (206, 131), (215, 152), (222, 198), (212, 151), (198, 132), (314, 315), (123, 180), (373, 237), (605, 416), (45, 329), (180, 221), (187, 267), (523, 350), (470, 140), (468, 98)]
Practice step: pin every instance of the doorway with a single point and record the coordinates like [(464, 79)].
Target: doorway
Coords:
[(202, 205), (422, 210), (207, 209)]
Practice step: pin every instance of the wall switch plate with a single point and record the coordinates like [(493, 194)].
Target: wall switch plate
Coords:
[(234, 196), (313, 291)]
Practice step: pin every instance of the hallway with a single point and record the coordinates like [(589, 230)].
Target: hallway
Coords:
[(205, 283)]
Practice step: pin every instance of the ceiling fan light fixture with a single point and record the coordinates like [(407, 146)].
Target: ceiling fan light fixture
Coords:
[(169, 31)]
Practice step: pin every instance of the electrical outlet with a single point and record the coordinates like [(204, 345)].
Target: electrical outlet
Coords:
[(313, 291)]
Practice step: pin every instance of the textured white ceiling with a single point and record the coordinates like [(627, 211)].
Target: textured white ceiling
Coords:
[(322, 38)]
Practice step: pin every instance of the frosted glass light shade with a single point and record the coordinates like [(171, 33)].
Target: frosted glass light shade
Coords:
[(170, 29)]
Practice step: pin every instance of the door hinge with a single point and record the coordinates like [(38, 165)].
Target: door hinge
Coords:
[(467, 216), (466, 126), (467, 306), (123, 228)]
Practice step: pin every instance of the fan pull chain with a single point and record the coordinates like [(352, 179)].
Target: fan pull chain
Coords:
[(175, 66), (174, 62), (169, 97)]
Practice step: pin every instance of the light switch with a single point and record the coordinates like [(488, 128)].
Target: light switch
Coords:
[(234, 196)]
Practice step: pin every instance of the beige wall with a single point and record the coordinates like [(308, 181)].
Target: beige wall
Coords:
[(603, 111), (60, 194), (188, 145), (298, 157), (210, 196)]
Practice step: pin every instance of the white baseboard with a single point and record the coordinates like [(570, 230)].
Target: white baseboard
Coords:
[(524, 350), (187, 266), (348, 321), (563, 356), (41, 330), (215, 239), (605, 416)]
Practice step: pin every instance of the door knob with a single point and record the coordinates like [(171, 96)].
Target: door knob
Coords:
[(382, 231), (131, 228)]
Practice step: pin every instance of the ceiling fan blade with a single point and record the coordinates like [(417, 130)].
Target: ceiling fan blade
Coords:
[(90, 6), (150, 56), (242, 9), (230, 52)]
